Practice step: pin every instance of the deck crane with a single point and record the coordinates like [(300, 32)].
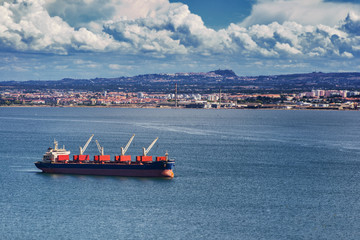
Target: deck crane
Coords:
[(125, 158), (101, 149), (146, 151), (101, 158), (82, 149), (123, 150), (81, 157)]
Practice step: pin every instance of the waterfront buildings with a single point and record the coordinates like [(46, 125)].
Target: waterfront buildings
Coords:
[(316, 99)]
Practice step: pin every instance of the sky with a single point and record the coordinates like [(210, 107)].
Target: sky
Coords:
[(51, 39)]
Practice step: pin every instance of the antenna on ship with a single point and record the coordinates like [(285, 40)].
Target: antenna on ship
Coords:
[(123, 150), (82, 149), (146, 151)]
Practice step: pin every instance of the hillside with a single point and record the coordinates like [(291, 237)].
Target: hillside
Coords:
[(212, 81)]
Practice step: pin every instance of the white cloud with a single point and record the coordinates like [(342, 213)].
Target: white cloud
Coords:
[(92, 14), (347, 54), (286, 48), (61, 67), (305, 12), (26, 25), (115, 66), (87, 63), (157, 28), (169, 30), (19, 69)]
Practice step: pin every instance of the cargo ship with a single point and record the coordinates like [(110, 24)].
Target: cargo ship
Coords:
[(57, 160)]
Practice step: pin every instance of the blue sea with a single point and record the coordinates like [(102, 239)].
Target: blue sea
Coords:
[(239, 174)]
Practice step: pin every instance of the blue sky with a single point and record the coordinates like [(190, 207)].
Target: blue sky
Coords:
[(51, 40), (219, 14)]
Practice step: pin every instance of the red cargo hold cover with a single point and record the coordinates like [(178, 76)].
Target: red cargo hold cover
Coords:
[(81, 157), (162, 158), (62, 158), (144, 158), (102, 158), (126, 158)]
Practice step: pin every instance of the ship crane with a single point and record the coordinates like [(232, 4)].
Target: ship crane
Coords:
[(82, 149), (100, 148), (123, 150), (146, 151)]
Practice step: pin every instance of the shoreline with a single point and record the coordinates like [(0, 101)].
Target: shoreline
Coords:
[(166, 107)]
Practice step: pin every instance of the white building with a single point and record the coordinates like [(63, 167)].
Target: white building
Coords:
[(213, 97)]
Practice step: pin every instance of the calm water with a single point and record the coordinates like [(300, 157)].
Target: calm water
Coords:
[(239, 175)]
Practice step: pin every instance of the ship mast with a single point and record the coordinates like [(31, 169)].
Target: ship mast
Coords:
[(55, 145)]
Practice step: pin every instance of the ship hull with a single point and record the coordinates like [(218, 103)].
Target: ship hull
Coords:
[(155, 169)]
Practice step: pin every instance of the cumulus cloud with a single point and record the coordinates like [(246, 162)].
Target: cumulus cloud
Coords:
[(275, 29), (92, 13), (351, 24), (172, 29), (306, 12), (293, 39), (26, 25)]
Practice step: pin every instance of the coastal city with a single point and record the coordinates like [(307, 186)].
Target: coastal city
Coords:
[(315, 99), (205, 90)]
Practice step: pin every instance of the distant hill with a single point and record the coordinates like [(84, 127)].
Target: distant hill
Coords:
[(208, 82), (225, 73)]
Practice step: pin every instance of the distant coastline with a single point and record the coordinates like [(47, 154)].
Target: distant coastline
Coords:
[(208, 90), (157, 107)]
